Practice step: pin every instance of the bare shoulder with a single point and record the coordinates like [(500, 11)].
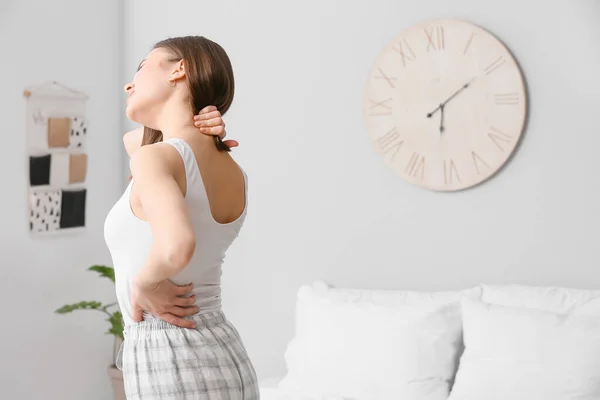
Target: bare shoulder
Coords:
[(153, 159)]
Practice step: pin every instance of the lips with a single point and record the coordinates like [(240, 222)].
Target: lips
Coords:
[(129, 94)]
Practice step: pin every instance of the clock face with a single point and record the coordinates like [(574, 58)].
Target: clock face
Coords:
[(445, 104)]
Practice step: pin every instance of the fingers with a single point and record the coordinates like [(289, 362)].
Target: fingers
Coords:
[(137, 313), (183, 311), (214, 131), (211, 116), (185, 301), (215, 122), (180, 322), (231, 143), (207, 109), (183, 290), (209, 122)]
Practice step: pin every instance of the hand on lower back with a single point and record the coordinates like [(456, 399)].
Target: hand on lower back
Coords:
[(164, 300)]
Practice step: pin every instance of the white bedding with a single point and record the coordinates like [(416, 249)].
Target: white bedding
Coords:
[(272, 394), (277, 394), (405, 346)]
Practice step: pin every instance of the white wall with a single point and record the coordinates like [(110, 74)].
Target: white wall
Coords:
[(44, 355), (323, 205)]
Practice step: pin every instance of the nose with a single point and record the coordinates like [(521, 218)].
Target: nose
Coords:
[(128, 87)]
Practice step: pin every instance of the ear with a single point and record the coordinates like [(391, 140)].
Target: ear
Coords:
[(177, 72)]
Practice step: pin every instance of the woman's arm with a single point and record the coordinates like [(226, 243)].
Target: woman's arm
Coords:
[(163, 205), (160, 201)]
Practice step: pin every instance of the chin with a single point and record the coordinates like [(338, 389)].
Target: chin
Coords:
[(133, 114), (140, 113), (130, 112)]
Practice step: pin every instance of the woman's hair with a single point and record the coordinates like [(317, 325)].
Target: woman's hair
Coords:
[(209, 77)]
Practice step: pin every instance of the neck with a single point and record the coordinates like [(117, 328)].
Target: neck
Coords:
[(177, 121)]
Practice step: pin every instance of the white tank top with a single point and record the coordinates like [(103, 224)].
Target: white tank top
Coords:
[(129, 240)]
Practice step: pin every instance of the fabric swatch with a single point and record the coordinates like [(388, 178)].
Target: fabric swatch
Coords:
[(44, 211), (58, 132), (39, 170), (78, 133), (77, 168), (59, 169), (72, 208)]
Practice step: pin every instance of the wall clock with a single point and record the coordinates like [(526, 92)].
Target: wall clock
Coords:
[(445, 104)]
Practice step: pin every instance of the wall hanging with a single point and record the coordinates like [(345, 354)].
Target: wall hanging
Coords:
[(56, 130)]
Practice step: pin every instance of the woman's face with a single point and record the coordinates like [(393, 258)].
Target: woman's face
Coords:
[(151, 87)]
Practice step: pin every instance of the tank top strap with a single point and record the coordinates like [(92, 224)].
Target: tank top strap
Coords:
[(192, 173)]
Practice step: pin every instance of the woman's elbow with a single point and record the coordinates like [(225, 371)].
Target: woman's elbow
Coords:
[(180, 253)]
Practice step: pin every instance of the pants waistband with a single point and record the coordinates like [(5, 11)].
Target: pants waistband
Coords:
[(152, 323)]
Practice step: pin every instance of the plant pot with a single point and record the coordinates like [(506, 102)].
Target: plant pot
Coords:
[(116, 377)]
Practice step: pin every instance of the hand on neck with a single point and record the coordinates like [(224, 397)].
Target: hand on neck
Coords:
[(176, 120)]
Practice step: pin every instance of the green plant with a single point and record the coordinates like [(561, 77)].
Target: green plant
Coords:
[(115, 319)]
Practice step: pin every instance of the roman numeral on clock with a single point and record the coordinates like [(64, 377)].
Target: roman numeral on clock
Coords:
[(469, 41), (403, 48), (506, 99), (390, 142), (379, 108), (416, 166), (435, 37), (389, 79), (497, 63), (450, 172), (478, 162), (499, 138)]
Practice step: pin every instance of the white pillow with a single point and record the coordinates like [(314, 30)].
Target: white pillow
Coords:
[(556, 299), (373, 345), (514, 353)]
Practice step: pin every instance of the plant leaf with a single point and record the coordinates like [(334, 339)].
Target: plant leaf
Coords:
[(107, 306), (116, 324), (82, 305), (104, 271)]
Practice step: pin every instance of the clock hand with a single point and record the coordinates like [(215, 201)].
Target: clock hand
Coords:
[(430, 114), (466, 85), (442, 118), (463, 87), (441, 108)]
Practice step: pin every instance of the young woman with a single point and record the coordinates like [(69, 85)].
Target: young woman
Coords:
[(168, 234)]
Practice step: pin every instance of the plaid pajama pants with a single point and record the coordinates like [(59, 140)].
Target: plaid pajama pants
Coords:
[(163, 362)]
